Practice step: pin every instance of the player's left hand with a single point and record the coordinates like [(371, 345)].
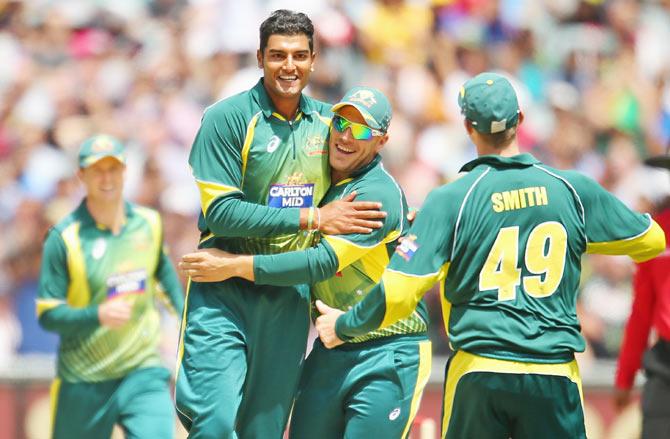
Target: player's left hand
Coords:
[(325, 324), (208, 265)]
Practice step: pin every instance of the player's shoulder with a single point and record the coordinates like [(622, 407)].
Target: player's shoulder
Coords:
[(576, 180), (378, 185), (71, 219), (238, 106), (147, 213), (315, 105)]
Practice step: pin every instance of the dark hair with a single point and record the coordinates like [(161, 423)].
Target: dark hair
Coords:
[(285, 22)]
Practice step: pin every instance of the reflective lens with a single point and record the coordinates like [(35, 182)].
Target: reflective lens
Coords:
[(358, 130)]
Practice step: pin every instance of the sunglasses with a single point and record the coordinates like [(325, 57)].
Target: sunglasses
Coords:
[(358, 130)]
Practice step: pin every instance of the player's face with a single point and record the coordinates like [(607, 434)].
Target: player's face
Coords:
[(104, 180), (346, 153), (287, 63)]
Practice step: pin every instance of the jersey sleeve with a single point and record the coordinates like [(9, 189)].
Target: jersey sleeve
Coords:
[(53, 312), (216, 163), (168, 283), (299, 267), (350, 248), (638, 327), (334, 252), (612, 228), (420, 261)]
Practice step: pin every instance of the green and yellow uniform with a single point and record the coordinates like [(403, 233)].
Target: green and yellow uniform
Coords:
[(242, 346), (504, 242), (372, 386), (83, 265)]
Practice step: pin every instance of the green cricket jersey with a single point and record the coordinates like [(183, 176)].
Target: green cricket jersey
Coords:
[(255, 169), (84, 264), (505, 243), (344, 268)]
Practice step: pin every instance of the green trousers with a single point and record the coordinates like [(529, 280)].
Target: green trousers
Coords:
[(139, 402), (487, 398), (362, 390), (241, 351)]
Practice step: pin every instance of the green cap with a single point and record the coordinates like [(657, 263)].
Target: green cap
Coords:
[(373, 105), (98, 147), (489, 102)]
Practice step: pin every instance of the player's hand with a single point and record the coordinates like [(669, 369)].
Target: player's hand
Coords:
[(114, 313), (209, 265), (348, 216), (411, 215), (325, 325), (621, 398)]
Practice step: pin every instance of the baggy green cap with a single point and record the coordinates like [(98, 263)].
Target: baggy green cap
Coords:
[(373, 105), (98, 147), (489, 102)]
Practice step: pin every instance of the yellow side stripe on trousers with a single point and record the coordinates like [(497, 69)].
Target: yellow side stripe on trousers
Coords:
[(464, 363), (425, 362), (53, 394), (182, 331)]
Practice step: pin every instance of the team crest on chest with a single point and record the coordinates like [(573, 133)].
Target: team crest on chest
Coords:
[(315, 145), (99, 247), (273, 144)]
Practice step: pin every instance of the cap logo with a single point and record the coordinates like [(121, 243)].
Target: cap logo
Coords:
[(365, 97), (498, 126), (102, 144)]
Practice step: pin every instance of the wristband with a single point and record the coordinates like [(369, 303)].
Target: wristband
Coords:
[(310, 218)]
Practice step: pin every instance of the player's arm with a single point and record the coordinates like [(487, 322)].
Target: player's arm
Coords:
[(612, 228), (216, 162), (637, 329), (53, 312), (310, 266), (418, 263), (169, 285)]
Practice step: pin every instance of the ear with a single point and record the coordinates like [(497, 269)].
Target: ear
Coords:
[(468, 126), (311, 68), (382, 142), (259, 58), (521, 117)]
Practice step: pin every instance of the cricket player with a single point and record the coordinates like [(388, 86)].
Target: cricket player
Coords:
[(103, 267), (261, 163), (504, 243), (372, 385)]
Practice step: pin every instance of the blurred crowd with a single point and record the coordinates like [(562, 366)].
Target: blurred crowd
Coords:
[(593, 78)]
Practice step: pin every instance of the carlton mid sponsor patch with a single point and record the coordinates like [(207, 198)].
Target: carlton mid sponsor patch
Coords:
[(407, 247), (291, 195), (133, 282)]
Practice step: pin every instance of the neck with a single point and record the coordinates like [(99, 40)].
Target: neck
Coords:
[(287, 107), (111, 215), (508, 151), (336, 176)]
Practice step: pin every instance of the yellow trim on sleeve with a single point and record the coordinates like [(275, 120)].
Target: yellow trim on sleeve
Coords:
[(425, 363), (78, 291), (464, 363), (54, 392), (446, 312), (44, 305), (374, 257), (640, 248), (211, 191), (404, 291), (248, 137)]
